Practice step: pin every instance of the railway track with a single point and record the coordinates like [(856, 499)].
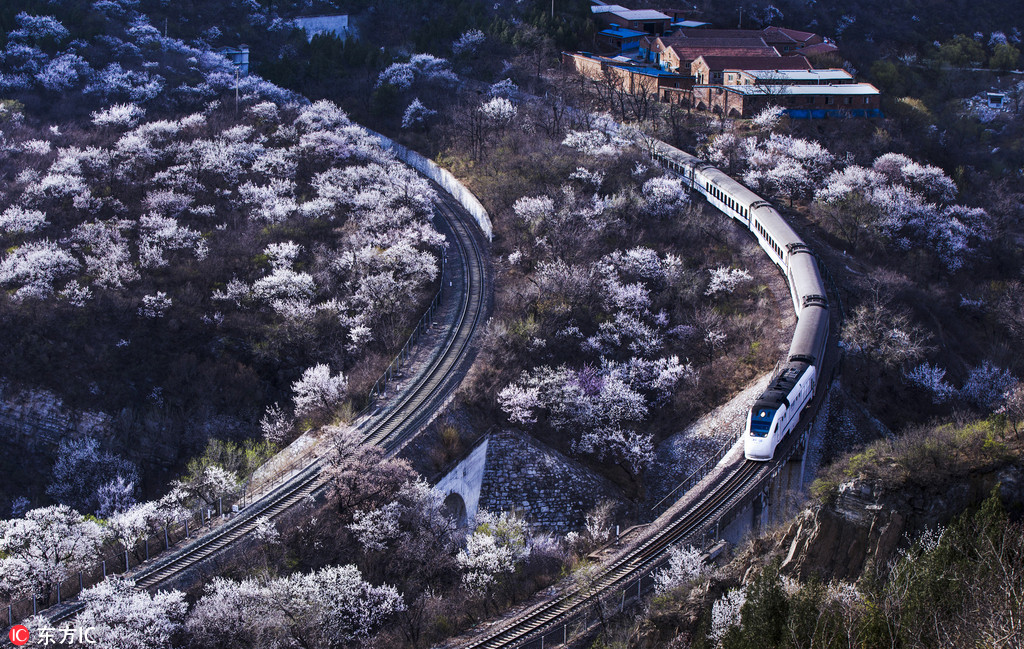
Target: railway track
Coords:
[(745, 479), (738, 483), (632, 564), (390, 428)]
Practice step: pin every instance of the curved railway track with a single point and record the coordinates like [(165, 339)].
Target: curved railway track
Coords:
[(626, 567), (741, 481), (390, 428)]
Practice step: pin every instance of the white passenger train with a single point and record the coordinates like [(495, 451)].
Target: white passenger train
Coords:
[(776, 412)]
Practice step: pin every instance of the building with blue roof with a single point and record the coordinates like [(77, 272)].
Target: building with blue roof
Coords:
[(619, 39)]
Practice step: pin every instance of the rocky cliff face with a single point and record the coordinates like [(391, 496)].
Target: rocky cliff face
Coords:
[(866, 524)]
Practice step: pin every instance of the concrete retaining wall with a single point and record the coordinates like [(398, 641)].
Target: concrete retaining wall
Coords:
[(442, 177)]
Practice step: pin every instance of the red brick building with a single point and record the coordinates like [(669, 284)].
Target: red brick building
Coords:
[(678, 53), (710, 70), (798, 101)]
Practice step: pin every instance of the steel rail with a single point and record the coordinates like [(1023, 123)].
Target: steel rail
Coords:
[(391, 428), (746, 479)]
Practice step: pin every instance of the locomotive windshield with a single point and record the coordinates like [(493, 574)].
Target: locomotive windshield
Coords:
[(761, 421)]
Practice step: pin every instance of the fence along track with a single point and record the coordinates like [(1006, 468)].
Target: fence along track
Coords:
[(390, 429)]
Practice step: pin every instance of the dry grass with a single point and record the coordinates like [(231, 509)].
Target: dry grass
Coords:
[(926, 455)]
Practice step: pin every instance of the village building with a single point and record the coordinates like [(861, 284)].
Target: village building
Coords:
[(784, 40), (678, 53), (623, 76), (710, 70), (734, 72), (619, 39), (817, 77), (336, 25), (648, 21), (797, 101)]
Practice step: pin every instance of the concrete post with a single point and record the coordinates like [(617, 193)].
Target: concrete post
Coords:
[(104, 569)]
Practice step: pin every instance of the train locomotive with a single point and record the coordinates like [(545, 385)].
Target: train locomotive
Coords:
[(776, 412)]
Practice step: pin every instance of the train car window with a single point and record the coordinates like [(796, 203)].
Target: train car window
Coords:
[(761, 421)]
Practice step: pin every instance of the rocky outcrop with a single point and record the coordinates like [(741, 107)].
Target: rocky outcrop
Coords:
[(865, 524)]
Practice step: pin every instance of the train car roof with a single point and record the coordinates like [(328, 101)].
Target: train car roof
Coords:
[(809, 337), (777, 226), (783, 383), (738, 190)]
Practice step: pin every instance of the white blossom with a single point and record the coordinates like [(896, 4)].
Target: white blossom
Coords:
[(665, 196), (932, 379), (726, 280), (493, 551), (45, 547), (18, 219), (768, 118), (284, 284), (276, 425), (518, 402), (265, 531), (725, 613), (212, 483), (377, 528), (126, 115), (318, 391), (159, 234), (468, 42), (416, 114), (334, 606), (124, 617), (685, 566), (504, 88), (282, 255), (155, 306), (593, 142), (499, 110), (34, 267), (987, 385)]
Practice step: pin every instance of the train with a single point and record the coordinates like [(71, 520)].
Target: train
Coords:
[(776, 412)]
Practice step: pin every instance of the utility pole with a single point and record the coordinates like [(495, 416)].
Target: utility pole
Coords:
[(552, 9), (237, 73), (741, 18)]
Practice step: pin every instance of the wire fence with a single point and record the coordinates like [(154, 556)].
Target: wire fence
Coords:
[(596, 610), (119, 558), (394, 369), (691, 480)]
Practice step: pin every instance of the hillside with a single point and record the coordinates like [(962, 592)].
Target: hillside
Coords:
[(917, 557), (198, 264)]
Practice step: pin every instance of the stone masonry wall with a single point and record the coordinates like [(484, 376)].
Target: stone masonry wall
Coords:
[(551, 491)]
